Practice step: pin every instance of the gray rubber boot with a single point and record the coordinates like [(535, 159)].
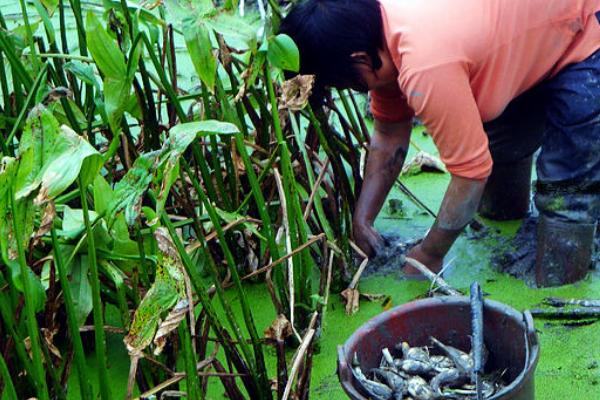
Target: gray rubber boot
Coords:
[(564, 251), (507, 193)]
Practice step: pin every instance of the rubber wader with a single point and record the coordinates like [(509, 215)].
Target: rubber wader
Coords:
[(564, 251)]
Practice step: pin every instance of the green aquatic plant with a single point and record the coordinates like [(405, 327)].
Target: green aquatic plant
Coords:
[(126, 184)]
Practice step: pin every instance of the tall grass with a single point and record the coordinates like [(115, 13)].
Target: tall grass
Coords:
[(124, 186)]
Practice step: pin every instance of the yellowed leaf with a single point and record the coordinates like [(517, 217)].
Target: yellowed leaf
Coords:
[(423, 162), (351, 298), (280, 329), (295, 92)]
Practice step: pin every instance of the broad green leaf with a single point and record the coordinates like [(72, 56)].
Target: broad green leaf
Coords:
[(52, 158), (103, 194), (180, 10), (43, 13), (129, 190), (72, 156), (197, 40), (167, 289), (116, 97), (39, 136), (50, 5), (283, 53), (83, 71), (235, 30), (25, 213), (8, 169), (79, 284), (37, 289), (24, 219), (118, 278), (168, 169), (204, 128), (104, 50), (73, 224)]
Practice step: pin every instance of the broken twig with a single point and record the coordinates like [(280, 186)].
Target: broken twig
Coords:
[(443, 286)]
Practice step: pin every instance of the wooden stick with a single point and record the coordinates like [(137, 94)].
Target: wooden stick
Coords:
[(288, 247), (298, 359), (284, 258), (442, 284), (316, 186), (567, 313)]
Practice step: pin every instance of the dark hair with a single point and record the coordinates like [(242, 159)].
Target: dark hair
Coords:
[(327, 32)]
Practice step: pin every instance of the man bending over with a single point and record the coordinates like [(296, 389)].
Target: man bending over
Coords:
[(492, 80)]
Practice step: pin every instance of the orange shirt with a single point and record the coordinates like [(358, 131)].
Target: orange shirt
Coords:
[(460, 62)]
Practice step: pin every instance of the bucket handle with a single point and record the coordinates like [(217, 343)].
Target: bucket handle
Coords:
[(530, 328), (530, 337)]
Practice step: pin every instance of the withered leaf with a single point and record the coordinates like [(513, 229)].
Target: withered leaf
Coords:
[(48, 217), (351, 298), (295, 92), (423, 162), (167, 291), (373, 296), (170, 323), (280, 329)]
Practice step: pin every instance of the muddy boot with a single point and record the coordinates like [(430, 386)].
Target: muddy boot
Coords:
[(508, 191), (564, 251)]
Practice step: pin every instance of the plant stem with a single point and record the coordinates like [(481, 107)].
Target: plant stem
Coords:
[(99, 336), (79, 354), (32, 325)]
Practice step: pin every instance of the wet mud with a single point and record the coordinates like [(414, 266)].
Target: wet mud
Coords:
[(390, 257), (516, 256)]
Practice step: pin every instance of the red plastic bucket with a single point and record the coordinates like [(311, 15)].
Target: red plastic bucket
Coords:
[(509, 336)]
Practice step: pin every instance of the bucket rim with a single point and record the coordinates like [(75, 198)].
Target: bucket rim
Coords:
[(524, 319)]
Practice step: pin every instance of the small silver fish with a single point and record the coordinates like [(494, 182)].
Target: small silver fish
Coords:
[(414, 367), (419, 389), (376, 390), (448, 377), (414, 353), (461, 360), (396, 382), (387, 356), (441, 363), (489, 390)]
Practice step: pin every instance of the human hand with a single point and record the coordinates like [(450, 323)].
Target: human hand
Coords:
[(431, 261), (367, 238)]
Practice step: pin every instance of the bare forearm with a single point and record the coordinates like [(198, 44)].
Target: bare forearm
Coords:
[(458, 209), (386, 155)]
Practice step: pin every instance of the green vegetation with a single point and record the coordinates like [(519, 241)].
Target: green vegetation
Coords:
[(126, 186), (155, 158)]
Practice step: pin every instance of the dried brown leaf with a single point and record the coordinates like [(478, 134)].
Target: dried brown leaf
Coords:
[(423, 162), (373, 296), (295, 92), (171, 322), (165, 243), (280, 329), (46, 225), (351, 298)]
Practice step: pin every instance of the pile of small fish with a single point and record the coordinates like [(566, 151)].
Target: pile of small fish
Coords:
[(419, 375)]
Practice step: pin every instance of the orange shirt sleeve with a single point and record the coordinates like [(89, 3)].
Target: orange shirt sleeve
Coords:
[(389, 105), (441, 96)]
